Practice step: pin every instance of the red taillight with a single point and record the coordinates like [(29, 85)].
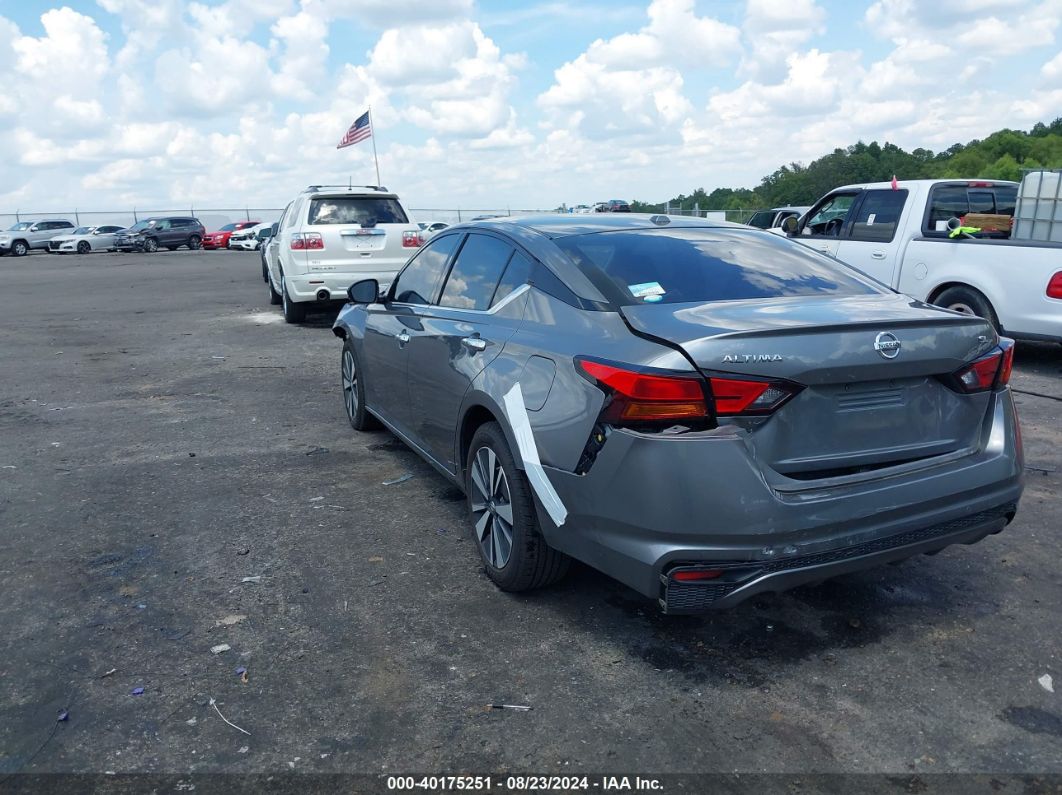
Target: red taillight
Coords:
[(696, 575), (1007, 364), (979, 184), (639, 396), (1054, 287), (991, 371), (307, 241), (648, 396), (411, 239), (735, 396)]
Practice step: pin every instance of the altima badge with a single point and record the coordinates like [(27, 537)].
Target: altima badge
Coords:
[(749, 358), (887, 345)]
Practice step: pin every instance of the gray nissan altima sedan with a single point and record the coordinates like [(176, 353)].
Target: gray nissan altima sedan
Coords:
[(703, 411)]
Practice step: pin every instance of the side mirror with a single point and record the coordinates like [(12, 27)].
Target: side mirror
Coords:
[(790, 225), (273, 230), (367, 291), (34, 228)]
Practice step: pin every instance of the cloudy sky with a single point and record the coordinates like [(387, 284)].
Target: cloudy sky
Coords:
[(108, 104)]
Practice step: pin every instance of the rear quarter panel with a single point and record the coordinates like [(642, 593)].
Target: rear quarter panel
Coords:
[(568, 406)]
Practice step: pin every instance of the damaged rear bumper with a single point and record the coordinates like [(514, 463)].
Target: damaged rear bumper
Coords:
[(651, 504)]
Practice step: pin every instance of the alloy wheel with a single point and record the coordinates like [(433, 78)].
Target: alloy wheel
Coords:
[(492, 510), (965, 309), (350, 384)]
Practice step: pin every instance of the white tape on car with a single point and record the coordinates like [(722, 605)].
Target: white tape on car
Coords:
[(525, 441)]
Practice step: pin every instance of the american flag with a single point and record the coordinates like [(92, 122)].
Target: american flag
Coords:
[(359, 131)]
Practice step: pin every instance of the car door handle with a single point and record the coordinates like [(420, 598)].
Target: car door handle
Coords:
[(402, 337), (877, 254), (474, 344)]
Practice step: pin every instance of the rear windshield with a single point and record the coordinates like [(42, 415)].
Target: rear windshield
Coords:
[(364, 210), (694, 265)]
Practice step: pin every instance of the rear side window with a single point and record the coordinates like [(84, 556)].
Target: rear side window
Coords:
[(878, 215), (417, 281), (696, 265), (476, 273), (516, 275), (364, 210)]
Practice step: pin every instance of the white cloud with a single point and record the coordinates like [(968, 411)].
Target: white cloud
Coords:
[(212, 76), (305, 55), (1052, 71), (72, 54), (774, 31), (632, 82)]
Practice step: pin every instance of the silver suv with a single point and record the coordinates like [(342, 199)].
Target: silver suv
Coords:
[(331, 237), (26, 235)]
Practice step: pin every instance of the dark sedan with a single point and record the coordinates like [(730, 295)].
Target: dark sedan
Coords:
[(702, 410)]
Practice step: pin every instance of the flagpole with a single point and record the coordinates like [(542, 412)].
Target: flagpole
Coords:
[(374, 157)]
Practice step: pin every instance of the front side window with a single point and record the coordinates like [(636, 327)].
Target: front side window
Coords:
[(828, 218), (364, 210), (878, 215), (417, 282), (697, 265), (476, 272), (761, 220)]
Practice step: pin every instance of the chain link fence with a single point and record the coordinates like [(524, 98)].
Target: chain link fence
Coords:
[(215, 218)]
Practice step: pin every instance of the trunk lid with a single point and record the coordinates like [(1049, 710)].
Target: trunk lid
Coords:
[(859, 409)]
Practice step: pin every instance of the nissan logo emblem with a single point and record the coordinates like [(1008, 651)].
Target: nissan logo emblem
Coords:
[(887, 345)]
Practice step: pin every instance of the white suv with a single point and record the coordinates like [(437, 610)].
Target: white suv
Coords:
[(331, 237)]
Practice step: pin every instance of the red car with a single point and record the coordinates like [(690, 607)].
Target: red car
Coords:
[(220, 239)]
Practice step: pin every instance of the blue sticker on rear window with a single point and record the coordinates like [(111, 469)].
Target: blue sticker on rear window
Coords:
[(648, 291)]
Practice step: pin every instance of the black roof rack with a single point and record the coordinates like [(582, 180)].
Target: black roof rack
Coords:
[(312, 188)]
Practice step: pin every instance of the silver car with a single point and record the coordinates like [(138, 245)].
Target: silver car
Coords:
[(84, 240), (703, 411)]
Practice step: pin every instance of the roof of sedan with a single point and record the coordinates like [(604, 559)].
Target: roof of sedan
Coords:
[(559, 225)]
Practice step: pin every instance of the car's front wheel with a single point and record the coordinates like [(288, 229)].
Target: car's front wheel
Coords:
[(293, 312), (83, 247), (504, 526), (274, 297), (151, 245), (19, 248), (354, 391)]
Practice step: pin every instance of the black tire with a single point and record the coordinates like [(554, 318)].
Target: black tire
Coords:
[(194, 243), (84, 247), (151, 245), (531, 562), (265, 273), (968, 301), (274, 297), (293, 312), (353, 388), (19, 248)]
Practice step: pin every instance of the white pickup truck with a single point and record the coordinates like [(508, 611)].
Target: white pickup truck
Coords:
[(900, 237)]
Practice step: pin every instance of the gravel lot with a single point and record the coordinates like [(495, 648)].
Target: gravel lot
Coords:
[(164, 435)]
